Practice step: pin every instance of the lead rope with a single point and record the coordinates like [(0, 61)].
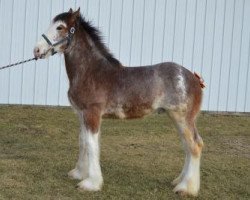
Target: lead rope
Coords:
[(67, 38), (18, 63)]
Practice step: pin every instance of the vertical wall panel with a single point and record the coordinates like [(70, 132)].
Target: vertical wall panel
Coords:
[(235, 56), (105, 18), (211, 37), (84, 5), (247, 98), (197, 56), (168, 39), (179, 31), (6, 43), (92, 11), (159, 28), (115, 26), (208, 48), (18, 25), (137, 31), (189, 40), (147, 33), (243, 66), (30, 38), (126, 31), (217, 49), (226, 56)]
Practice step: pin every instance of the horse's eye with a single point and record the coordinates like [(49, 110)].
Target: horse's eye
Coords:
[(59, 28)]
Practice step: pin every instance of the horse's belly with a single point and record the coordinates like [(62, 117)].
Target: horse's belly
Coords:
[(125, 112)]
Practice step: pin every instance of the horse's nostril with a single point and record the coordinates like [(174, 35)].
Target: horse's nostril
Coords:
[(36, 52)]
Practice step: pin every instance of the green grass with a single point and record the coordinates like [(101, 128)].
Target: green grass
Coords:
[(139, 158)]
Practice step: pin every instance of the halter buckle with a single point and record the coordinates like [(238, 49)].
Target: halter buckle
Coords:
[(72, 30)]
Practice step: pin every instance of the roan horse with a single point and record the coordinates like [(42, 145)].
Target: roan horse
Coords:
[(99, 86)]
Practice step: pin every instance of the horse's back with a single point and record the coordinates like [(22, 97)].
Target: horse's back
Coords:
[(174, 78)]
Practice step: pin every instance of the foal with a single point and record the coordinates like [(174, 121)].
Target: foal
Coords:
[(99, 86)]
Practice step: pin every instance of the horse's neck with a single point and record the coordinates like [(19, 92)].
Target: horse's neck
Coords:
[(83, 54), (78, 59)]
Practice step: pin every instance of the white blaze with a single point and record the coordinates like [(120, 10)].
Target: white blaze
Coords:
[(53, 35)]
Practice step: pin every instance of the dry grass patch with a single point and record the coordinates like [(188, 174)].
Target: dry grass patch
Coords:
[(140, 158)]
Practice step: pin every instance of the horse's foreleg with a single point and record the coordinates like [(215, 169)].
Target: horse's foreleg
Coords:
[(94, 180), (81, 170)]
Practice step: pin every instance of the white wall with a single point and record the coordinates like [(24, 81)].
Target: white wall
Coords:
[(211, 37)]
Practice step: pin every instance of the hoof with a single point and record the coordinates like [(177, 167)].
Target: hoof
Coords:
[(185, 189), (90, 185), (76, 174), (181, 193)]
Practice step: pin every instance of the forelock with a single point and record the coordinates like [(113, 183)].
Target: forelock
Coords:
[(62, 17)]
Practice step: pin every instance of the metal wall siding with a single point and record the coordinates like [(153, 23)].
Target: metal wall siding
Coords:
[(126, 31), (211, 37)]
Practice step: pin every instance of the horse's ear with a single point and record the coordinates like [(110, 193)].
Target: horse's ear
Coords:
[(76, 14), (70, 10)]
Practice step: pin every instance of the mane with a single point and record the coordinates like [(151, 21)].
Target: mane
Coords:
[(94, 34), (97, 38)]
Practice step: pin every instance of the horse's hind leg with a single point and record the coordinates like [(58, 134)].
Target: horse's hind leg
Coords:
[(188, 182), (198, 139), (184, 169)]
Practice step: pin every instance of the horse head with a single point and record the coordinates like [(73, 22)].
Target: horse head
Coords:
[(58, 36)]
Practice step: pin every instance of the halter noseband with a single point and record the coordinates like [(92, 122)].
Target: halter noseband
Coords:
[(68, 38)]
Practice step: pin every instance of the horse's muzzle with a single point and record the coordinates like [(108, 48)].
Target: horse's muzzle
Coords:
[(37, 53)]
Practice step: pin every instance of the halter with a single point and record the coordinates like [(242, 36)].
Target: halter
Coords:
[(68, 38)]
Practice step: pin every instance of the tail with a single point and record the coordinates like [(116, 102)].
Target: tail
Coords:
[(202, 84)]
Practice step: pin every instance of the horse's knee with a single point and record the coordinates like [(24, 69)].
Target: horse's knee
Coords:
[(92, 119)]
